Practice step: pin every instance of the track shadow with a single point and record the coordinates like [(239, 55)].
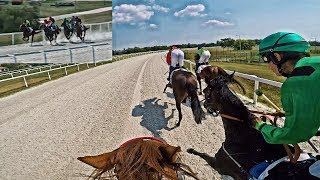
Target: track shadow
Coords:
[(36, 45), (153, 117)]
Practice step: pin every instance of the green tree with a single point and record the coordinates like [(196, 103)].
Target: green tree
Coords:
[(12, 16)]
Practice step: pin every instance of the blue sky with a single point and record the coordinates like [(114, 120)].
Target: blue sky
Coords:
[(140, 23)]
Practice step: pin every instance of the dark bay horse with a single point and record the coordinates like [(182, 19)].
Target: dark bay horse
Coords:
[(50, 34), (184, 85), (243, 143), (26, 32), (208, 73), (138, 159), (68, 32), (81, 31)]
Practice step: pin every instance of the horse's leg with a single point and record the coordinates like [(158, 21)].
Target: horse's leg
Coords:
[(210, 160), (199, 80), (178, 105)]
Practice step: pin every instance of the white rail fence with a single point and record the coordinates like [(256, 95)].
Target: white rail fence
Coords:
[(254, 78), (45, 59), (48, 72), (27, 70), (108, 27)]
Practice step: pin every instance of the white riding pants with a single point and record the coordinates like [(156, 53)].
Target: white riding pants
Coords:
[(177, 56), (205, 56)]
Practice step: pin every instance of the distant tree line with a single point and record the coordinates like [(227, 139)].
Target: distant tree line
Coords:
[(246, 44), (12, 16)]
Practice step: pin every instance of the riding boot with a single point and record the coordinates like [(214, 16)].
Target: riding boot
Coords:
[(170, 71)]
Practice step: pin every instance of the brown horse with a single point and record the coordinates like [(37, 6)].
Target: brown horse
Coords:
[(26, 33), (208, 73), (184, 85), (244, 147), (81, 31), (139, 158)]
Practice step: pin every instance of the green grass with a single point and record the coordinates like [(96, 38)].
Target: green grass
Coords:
[(272, 92), (46, 10), (16, 85)]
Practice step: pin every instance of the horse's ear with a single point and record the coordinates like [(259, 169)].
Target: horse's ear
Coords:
[(231, 75), (170, 152), (102, 161)]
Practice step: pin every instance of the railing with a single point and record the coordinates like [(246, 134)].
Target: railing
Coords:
[(100, 25), (125, 56), (46, 71), (14, 56), (11, 73), (254, 78)]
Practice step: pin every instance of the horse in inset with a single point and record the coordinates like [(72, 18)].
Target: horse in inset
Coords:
[(244, 146), (50, 34), (68, 32), (81, 30), (27, 32), (184, 85), (138, 159)]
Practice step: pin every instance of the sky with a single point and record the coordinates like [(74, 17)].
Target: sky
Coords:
[(141, 23)]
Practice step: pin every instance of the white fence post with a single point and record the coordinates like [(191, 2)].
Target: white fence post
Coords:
[(78, 67), (25, 81), (255, 97), (12, 39), (45, 57), (49, 75), (108, 27), (70, 55), (93, 56), (65, 69), (100, 28)]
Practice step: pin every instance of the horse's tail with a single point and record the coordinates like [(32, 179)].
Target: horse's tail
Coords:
[(197, 111)]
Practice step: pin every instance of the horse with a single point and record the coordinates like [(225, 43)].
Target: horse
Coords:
[(81, 30), (208, 73), (50, 34), (26, 32), (140, 158), (68, 31), (244, 147), (184, 85)]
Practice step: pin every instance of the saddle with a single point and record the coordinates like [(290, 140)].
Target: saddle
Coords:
[(282, 169), (177, 69)]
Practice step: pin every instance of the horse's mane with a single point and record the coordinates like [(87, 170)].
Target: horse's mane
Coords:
[(226, 95), (140, 159)]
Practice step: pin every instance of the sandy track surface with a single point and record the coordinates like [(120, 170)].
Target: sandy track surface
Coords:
[(44, 129)]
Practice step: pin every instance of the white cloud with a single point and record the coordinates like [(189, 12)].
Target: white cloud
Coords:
[(153, 26), (192, 10), (216, 23), (227, 13), (128, 13), (160, 8)]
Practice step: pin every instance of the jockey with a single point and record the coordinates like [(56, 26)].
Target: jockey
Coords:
[(27, 23), (202, 57), (177, 58), (53, 25), (46, 22), (287, 54)]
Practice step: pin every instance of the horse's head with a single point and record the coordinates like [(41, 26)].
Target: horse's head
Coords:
[(23, 27), (140, 158), (218, 92)]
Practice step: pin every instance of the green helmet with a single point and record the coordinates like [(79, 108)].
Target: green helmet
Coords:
[(283, 41)]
